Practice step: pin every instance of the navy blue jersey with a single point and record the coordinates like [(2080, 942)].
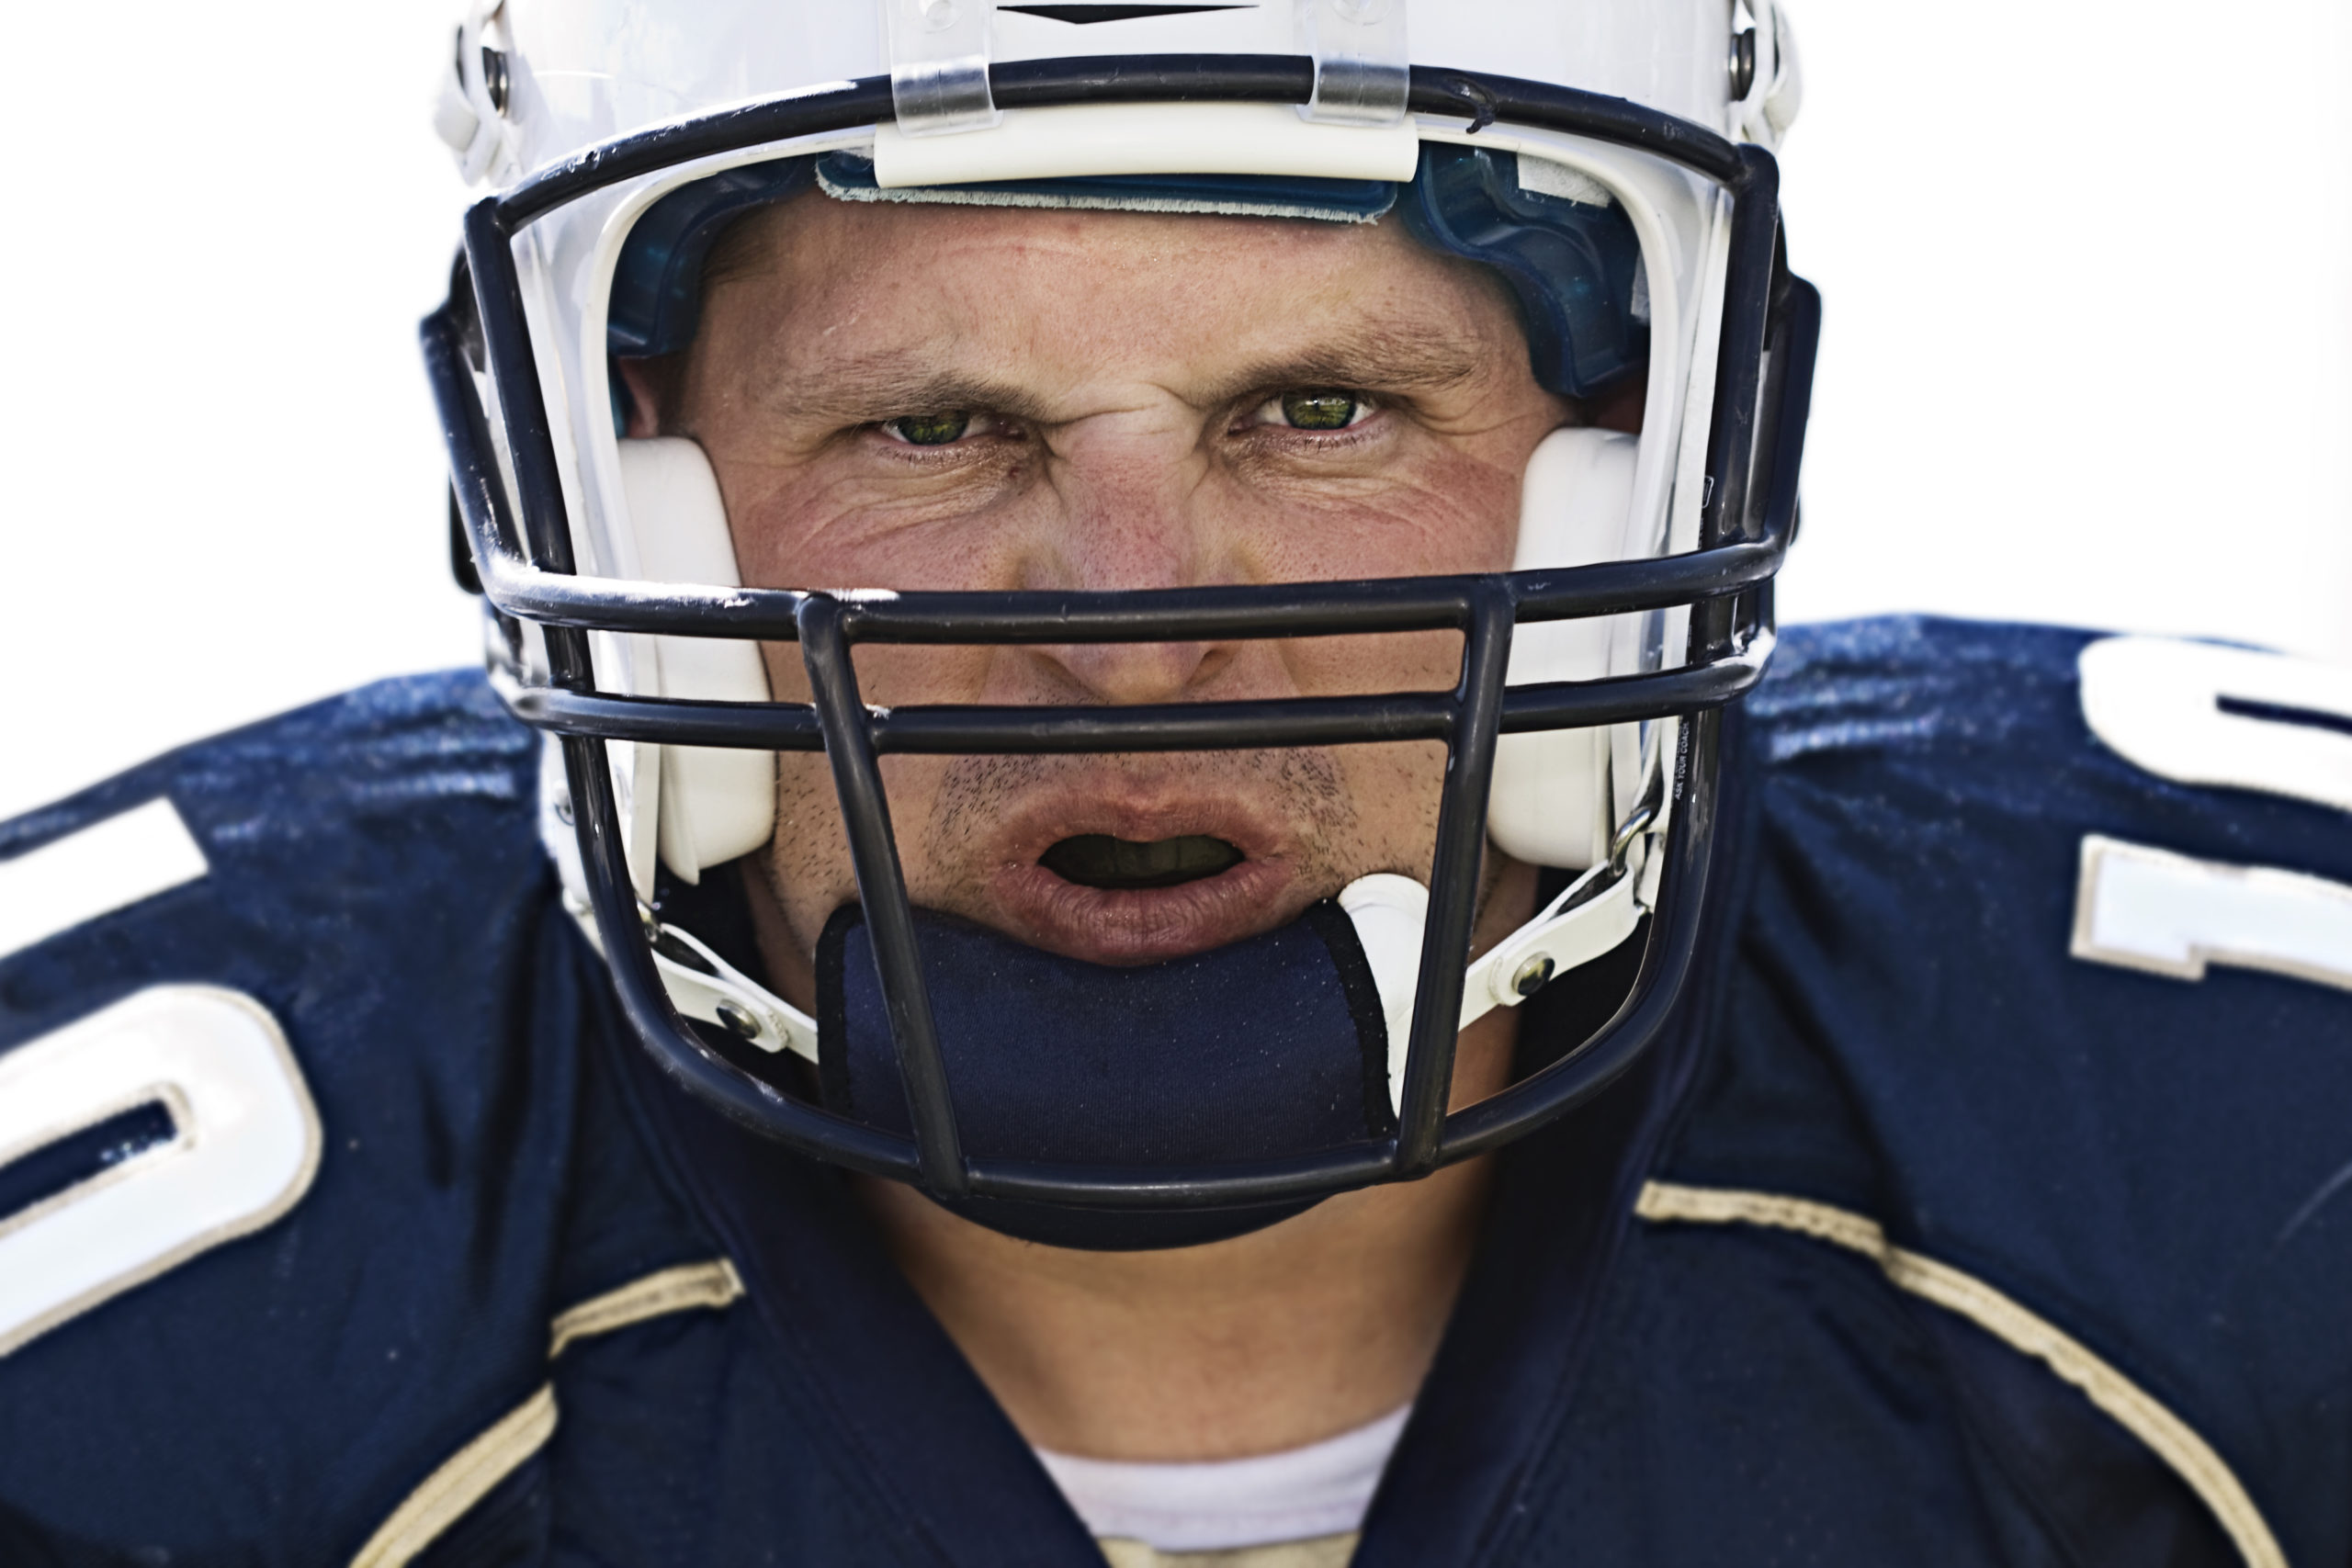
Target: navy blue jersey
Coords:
[(1990, 1200)]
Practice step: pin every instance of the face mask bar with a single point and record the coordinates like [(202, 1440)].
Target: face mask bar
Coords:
[(523, 556)]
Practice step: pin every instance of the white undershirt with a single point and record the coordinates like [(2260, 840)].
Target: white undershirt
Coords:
[(1321, 1489)]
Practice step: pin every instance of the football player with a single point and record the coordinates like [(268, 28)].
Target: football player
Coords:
[(1127, 885)]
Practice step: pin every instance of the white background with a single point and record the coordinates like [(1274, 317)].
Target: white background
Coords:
[(2088, 354)]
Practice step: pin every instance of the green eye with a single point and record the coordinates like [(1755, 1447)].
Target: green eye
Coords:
[(930, 429), (1320, 408)]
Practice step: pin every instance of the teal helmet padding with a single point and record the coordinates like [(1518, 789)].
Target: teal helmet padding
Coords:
[(1574, 266)]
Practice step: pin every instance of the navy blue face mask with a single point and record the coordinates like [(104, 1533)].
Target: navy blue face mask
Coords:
[(1265, 1047)]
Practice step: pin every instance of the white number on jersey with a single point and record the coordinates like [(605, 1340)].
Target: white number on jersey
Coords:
[(2172, 915), (2202, 715), (244, 1148)]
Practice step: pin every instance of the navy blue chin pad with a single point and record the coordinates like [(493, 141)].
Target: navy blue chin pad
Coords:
[(1269, 1046)]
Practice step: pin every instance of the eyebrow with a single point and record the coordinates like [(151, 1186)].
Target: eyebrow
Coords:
[(867, 388), (1376, 360), (860, 389)]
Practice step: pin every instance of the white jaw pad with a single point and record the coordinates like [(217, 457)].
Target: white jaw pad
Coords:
[(1389, 912), (1147, 138), (1548, 806), (715, 803)]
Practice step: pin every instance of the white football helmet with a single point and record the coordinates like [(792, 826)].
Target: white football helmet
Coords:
[(1611, 160)]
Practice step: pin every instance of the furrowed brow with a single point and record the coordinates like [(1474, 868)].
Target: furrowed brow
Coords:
[(867, 388)]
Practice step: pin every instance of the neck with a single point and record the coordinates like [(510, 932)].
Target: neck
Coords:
[(1267, 1341)]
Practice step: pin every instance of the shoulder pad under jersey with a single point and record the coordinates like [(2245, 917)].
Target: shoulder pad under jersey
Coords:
[(2045, 1002), (290, 1081)]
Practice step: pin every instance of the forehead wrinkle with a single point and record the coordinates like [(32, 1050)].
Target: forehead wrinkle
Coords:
[(1196, 338)]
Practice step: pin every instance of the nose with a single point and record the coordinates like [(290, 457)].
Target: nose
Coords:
[(1137, 509)]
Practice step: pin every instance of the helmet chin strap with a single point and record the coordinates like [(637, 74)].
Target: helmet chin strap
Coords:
[(706, 988), (1590, 918)]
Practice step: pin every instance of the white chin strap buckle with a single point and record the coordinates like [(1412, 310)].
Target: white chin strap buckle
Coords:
[(1593, 916), (703, 985)]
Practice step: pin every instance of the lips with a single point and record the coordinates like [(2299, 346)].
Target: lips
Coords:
[(1223, 873)]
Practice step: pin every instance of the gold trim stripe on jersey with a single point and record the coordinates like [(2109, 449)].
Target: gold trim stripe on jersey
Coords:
[(2171, 1438), (466, 1477)]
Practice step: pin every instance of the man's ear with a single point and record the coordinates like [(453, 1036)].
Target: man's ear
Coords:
[(648, 383)]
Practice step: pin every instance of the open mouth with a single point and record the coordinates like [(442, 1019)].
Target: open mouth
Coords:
[(1097, 860)]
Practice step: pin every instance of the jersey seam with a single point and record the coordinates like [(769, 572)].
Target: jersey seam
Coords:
[(1679, 1095), (2164, 1433)]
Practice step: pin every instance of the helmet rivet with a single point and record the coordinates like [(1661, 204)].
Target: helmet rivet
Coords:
[(1743, 63), (495, 77), (1532, 976), (735, 1016)]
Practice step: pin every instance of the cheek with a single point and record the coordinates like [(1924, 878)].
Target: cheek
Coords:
[(835, 520), (808, 858), (893, 675), (1444, 515), (1351, 666), (809, 855), (1439, 513), (1396, 791)]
